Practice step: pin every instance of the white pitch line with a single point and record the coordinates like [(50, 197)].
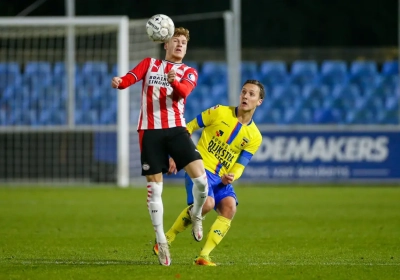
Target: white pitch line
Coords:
[(185, 263)]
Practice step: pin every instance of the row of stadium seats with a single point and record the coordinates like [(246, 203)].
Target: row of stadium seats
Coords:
[(333, 92), (19, 106)]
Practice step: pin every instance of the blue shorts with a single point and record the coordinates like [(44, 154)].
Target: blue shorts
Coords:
[(216, 189)]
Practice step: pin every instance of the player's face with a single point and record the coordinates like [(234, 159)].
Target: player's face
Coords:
[(250, 97), (176, 48)]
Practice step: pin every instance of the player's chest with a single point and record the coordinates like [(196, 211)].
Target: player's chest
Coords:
[(234, 135), (158, 74)]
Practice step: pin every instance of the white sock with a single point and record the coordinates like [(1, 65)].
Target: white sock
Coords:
[(156, 209), (200, 192)]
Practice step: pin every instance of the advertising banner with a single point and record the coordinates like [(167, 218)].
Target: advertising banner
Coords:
[(326, 155)]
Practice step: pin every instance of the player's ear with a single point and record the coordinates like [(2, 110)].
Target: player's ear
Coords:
[(165, 46), (260, 101)]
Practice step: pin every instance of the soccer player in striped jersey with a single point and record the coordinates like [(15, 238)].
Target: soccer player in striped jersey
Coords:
[(166, 83), (228, 141)]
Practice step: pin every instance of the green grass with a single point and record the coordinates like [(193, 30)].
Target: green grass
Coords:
[(278, 233)]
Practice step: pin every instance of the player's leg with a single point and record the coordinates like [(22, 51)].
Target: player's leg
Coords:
[(183, 220), (154, 159), (226, 203), (186, 156)]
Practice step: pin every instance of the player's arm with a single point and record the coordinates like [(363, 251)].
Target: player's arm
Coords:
[(244, 158), (186, 85), (133, 76), (204, 119)]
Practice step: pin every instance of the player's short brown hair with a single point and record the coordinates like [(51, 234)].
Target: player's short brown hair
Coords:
[(182, 31), (260, 86)]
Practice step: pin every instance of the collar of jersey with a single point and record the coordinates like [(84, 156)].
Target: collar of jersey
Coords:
[(173, 62), (236, 113)]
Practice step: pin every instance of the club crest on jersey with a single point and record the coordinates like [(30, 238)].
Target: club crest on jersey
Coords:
[(219, 133), (212, 108), (192, 77), (245, 141)]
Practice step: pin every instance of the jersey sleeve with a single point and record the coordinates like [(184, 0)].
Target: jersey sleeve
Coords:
[(204, 119), (136, 74), (245, 157), (187, 83), (191, 76)]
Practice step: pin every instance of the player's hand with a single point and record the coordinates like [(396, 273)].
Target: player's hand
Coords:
[(172, 167), (115, 82), (171, 76), (227, 178)]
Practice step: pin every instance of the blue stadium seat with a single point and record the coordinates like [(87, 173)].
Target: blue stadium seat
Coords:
[(314, 95), (328, 116), (373, 104), (17, 97), (381, 92), (362, 116), (274, 116), (390, 68), (10, 74), (261, 114), (248, 71), (90, 117), (52, 117), (363, 68), (134, 117), (273, 73), (108, 116), (59, 68), (214, 73), (38, 68), (389, 81), (286, 96), (94, 67), (392, 103), (37, 74), (304, 72), (11, 67), (23, 117), (388, 117), (192, 64), (342, 98), (4, 118), (298, 116), (333, 72), (364, 74), (218, 92)]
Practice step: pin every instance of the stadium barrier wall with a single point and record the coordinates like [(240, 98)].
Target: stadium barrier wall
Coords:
[(325, 156), (284, 156)]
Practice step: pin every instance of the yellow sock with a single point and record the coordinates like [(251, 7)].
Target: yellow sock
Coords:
[(180, 224), (218, 230)]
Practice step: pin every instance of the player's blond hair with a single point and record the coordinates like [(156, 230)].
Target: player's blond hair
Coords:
[(182, 31), (260, 86)]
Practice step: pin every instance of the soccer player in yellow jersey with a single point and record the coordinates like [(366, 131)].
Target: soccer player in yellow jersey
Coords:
[(228, 141)]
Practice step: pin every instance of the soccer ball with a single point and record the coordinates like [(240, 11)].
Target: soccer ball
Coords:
[(160, 28)]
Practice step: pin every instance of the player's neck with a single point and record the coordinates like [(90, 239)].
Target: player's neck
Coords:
[(244, 117), (173, 59)]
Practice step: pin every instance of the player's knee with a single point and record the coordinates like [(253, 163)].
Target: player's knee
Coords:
[(154, 191), (208, 205), (200, 182), (227, 207)]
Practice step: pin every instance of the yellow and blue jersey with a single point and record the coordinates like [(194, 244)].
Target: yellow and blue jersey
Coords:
[(226, 145)]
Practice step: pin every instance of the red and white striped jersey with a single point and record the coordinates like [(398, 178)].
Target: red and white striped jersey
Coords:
[(162, 106)]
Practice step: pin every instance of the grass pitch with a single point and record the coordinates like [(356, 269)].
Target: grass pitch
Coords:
[(278, 233)]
